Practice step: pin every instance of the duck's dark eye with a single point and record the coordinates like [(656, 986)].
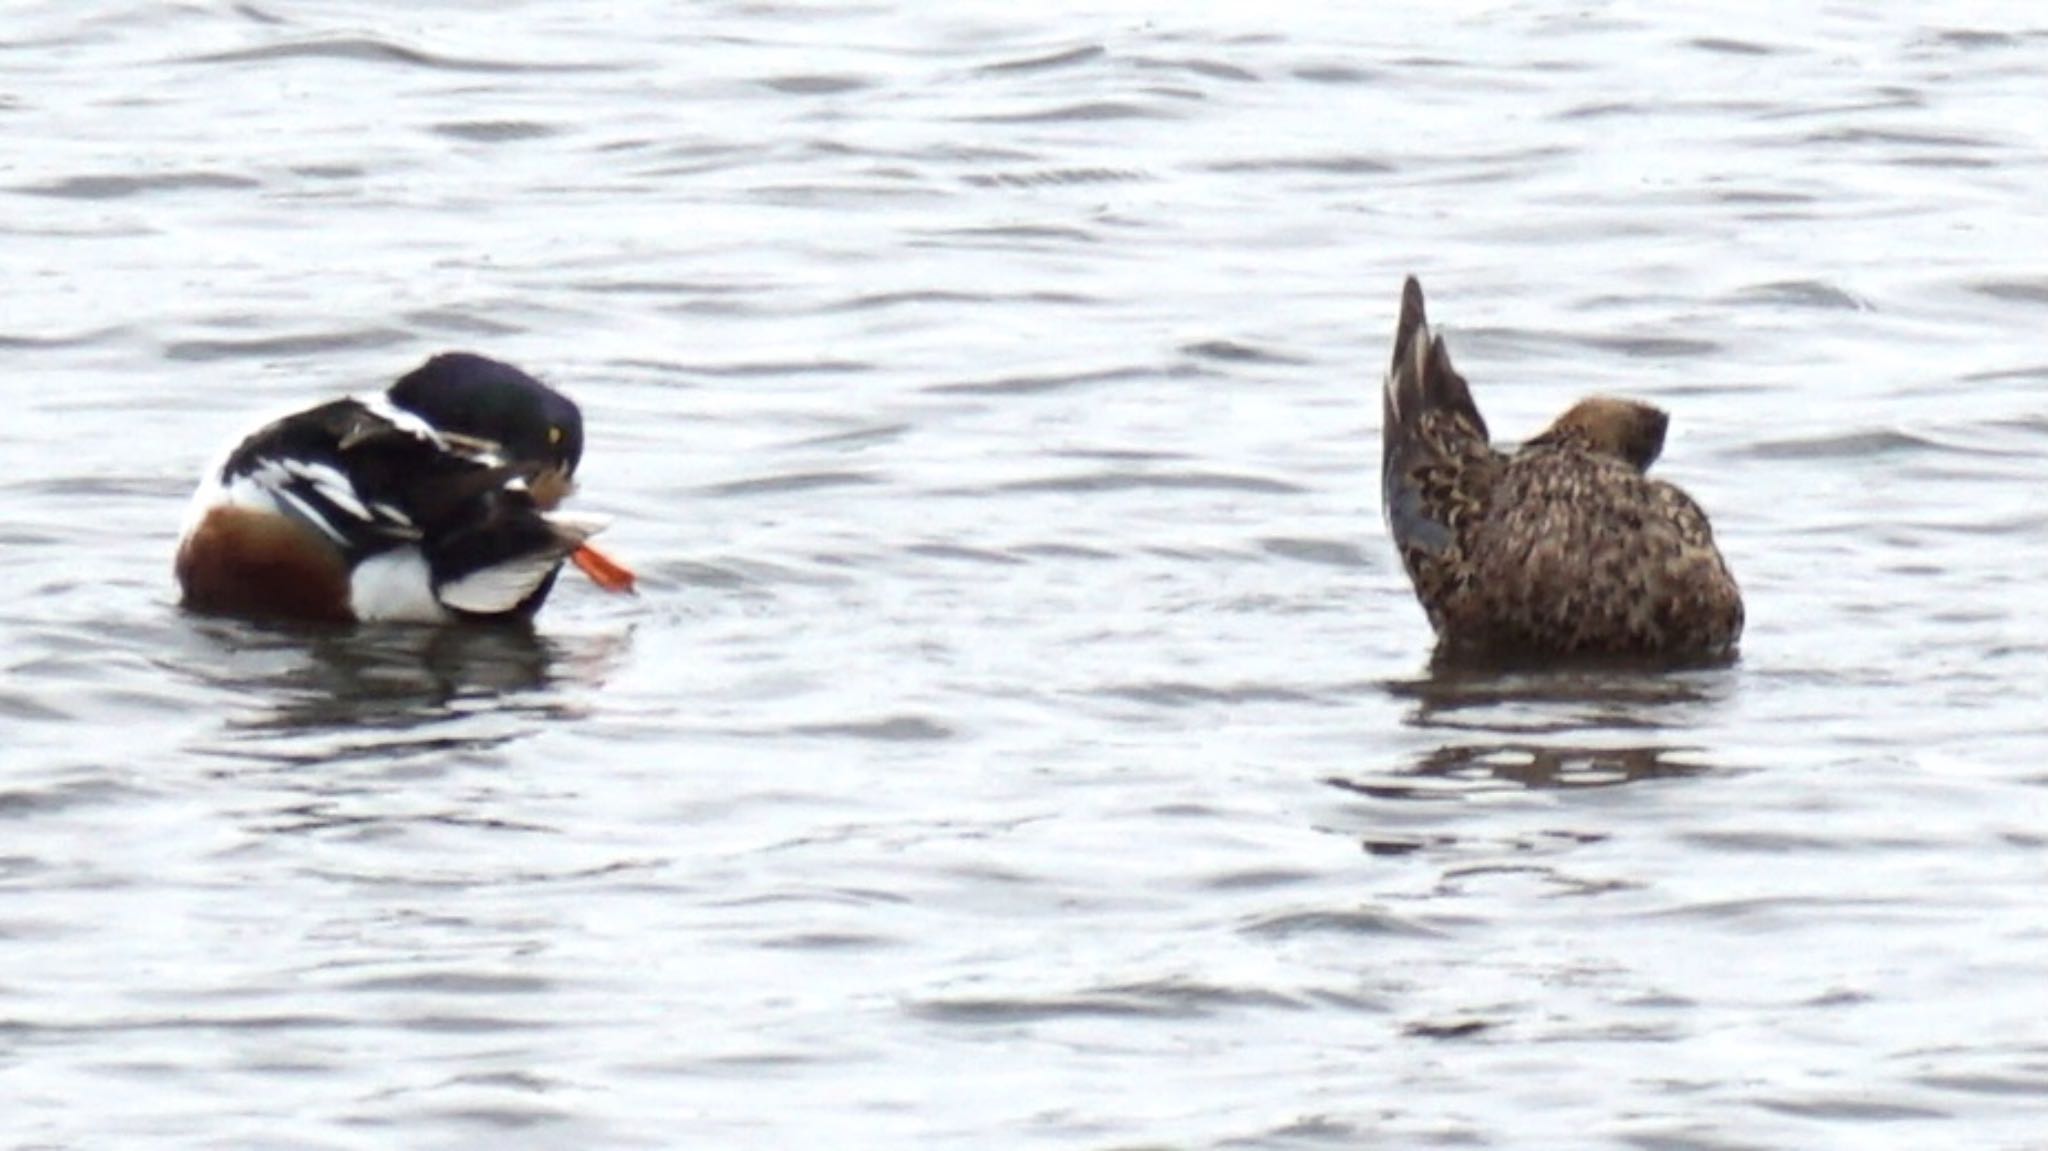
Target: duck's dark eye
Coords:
[(554, 435)]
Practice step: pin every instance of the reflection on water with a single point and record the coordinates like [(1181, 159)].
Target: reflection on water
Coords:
[(1528, 765), (323, 682), (1579, 698), (1503, 721)]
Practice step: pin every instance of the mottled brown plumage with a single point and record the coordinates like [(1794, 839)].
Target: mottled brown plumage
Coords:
[(1564, 547)]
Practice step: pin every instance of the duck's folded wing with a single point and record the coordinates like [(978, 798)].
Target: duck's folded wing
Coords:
[(505, 558), (296, 467)]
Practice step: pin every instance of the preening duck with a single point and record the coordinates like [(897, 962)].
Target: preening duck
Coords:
[(1564, 547), (433, 502)]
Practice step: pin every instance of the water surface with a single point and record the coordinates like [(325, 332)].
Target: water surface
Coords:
[(1025, 736)]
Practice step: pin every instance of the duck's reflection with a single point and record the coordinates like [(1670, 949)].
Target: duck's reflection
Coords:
[(1460, 767), (1518, 701), (315, 685), (1581, 727)]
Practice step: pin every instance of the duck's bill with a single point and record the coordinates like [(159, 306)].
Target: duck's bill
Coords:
[(603, 570)]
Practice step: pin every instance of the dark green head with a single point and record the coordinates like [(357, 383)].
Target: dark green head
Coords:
[(470, 395)]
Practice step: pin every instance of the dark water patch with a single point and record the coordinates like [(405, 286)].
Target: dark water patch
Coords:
[(1165, 999), (1360, 922), (792, 482), (1770, 842), (21, 707), (1703, 1139), (1101, 482), (1003, 235), (1885, 444), (368, 50), (856, 438), (462, 322), (1388, 847), (878, 301), (1329, 553), (1602, 109), (1120, 455), (1805, 294), (1976, 38), (328, 171), (1083, 112), (455, 983), (26, 343), (1065, 58), (2034, 291), (494, 131), (637, 286), (816, 84), (1037, 384), (359, 339), (77, 487), (1259, 879), (1862, 1110), (472, 1025), (184, 1021), (1337, 74), (1944, 162), (967, 554), (1340, 164), (1168, 693), (892, 729), (1777, 912), (25, 802), (1448, 1028), (828, 941), (1761, 196), (771, 368), (1054, 177), (122, 187), (1897, 137), (1727, 47), (1319, 1131), (1987, 1084), (1653, 347), (1207, 69), (503, 1118), (1062, 551), (1230, 351)]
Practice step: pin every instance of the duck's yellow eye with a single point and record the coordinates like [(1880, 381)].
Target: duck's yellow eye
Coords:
[(554, 436)]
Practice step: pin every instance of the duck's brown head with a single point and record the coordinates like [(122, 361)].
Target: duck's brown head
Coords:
[(1629, 429)]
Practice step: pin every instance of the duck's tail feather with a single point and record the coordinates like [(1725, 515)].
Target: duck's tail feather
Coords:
[(1429, 425), (1420, 378)]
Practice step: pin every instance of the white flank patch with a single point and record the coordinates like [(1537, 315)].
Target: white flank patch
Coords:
[(500, 587), (394, 587)]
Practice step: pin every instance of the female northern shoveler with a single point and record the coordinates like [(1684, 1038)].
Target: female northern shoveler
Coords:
[(431, 503), (1566, 547)]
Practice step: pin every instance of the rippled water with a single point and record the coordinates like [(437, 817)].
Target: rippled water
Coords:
[(1025, 735)]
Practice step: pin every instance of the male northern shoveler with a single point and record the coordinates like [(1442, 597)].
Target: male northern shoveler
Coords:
[(1565, 547), (430, 503)]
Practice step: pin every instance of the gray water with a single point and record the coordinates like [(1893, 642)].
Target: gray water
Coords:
[(1025, 735)]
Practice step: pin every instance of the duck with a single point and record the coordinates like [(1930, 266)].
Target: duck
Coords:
[(1562, 548), (432, 502)]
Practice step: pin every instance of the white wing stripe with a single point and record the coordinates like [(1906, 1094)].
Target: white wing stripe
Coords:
[(306, 512)]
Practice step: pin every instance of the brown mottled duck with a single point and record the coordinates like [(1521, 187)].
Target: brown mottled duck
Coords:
[(1564, 547)]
